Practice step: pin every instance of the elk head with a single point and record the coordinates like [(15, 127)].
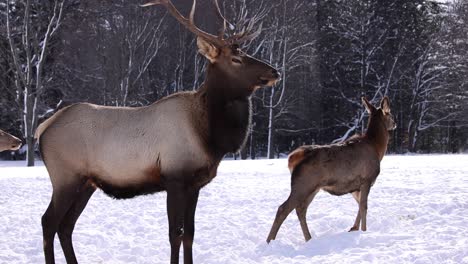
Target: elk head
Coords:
[(226, 59), (382, 113), (8, 142)]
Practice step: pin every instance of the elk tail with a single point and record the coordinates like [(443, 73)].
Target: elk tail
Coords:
[(297, 156)]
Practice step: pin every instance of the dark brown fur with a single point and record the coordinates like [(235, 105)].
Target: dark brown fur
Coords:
[(348, 167)]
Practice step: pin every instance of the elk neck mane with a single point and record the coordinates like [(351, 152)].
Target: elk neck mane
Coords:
[(229, 110), (220, 86)]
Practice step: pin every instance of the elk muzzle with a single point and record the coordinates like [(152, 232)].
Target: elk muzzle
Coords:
[(270, 78), (15, 143)]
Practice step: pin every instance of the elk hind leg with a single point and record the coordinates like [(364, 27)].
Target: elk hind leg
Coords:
[(283, 211), (67, 225), (301, 212), (61, 201)]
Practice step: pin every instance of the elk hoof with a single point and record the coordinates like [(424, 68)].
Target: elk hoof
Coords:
[(354, 228)]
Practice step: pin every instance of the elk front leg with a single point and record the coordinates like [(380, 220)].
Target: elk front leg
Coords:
[(357, 197), (189, 224), (175, 214), (363, 205)]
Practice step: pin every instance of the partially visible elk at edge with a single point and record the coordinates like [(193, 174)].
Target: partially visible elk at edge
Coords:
[(8, 142), (173, 145), (348, 167)]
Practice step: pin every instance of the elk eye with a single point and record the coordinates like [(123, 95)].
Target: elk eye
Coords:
[(236, 61)]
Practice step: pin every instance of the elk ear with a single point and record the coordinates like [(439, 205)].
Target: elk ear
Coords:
[(385, 105), (207, 49), (369, 107)]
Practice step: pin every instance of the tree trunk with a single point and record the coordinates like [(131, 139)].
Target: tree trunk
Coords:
[(251, 145), (243, 153), (29, 120), (270, 154), (413, 136)]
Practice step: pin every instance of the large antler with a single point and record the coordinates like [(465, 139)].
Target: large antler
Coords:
[(219, 41), (188, 23), (247, 33)]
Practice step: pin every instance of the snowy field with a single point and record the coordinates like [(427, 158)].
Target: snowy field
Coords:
[(418, 213)]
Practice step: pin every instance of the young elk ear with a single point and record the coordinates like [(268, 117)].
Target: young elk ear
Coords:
[(385, 105), (207, 49), (369, 107)]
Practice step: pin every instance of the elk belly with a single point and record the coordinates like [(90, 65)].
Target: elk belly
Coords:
[(342, 188), (124, 186)]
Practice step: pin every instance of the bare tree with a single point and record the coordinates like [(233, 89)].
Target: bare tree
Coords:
[(29, 37), (435, 100), (132, 39), (283, 42)]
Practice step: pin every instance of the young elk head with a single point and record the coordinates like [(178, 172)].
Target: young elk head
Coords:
[(8, 142), (227, 61), (382, 113)]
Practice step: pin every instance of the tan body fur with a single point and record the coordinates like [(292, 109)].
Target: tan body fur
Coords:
[(348, 167), (145, 142)]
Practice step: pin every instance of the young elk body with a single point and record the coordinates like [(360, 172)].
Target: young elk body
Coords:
[(8, 142), (173, 145), (349, 167)]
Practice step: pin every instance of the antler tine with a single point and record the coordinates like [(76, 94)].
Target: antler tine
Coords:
[(192, 12), (222, 31), (188, 23), (225, 21), (155, 2), (246, 34)]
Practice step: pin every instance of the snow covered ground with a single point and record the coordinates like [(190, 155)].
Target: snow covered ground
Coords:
[(418, 213)]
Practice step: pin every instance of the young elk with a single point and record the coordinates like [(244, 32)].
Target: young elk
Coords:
[(349, 167), (8, 142), (174, 145)]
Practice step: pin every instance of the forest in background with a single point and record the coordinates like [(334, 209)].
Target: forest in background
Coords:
[(330, 53)]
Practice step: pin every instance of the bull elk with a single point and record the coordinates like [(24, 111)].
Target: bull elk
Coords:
[(173, 145), (8, 142), (348, 167)]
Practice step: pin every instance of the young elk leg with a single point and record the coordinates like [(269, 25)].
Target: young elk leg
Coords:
[(301, 211), (67, 225), (281, 214), (189, 224), (365, 188), (296, 195), (175, 214), (357, 197), (61, 201)]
